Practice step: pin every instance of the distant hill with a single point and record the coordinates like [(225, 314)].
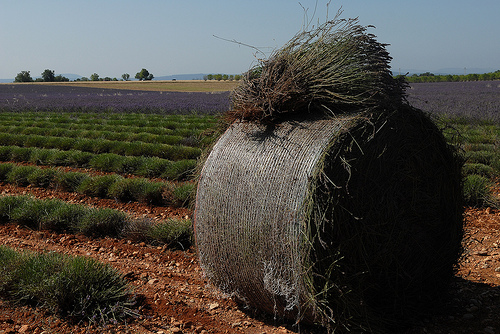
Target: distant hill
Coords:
[(197, 76), (71, 76), (445, 71)]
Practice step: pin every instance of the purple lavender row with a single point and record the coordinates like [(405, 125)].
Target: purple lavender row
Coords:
[(52, 98), (472, 99)]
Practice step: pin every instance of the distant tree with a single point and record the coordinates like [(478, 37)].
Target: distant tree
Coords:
[(60, 78), (126, 76), (23, 76), (472, 77), (237, 77), (84, 79), (144, 75), (48, 76), (210, 77), (94, 77), (486, 76), (225, 77), (107, 79)]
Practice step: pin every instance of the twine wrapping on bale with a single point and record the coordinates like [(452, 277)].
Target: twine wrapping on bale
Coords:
[(341, 212)]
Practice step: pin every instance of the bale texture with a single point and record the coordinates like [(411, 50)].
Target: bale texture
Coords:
[(352, 221)]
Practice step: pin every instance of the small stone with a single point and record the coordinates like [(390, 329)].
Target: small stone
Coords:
[(177, 323), (153, 281), (497, 270), (236, 324), (175, 330), (213, 306), (468, 316), (24, 329), (199, 329)]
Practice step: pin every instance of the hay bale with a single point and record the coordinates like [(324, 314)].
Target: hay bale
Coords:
[(341, 212), (340, 220)]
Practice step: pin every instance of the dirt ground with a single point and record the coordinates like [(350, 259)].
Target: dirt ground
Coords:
[(177, 298)]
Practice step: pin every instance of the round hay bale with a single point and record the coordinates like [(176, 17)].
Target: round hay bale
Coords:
[(352, 221), (329, 199)]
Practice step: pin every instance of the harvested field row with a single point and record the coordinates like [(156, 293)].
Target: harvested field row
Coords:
[(107, 135), (157, 85), (151, 167), (27, 118), (106, 186), (164, 151)]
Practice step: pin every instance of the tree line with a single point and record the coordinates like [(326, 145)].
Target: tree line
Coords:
[(144, 75), (223, 77), (430, 77), (49, 76)]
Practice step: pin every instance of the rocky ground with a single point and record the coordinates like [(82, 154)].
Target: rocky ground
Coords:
[(177, 298)]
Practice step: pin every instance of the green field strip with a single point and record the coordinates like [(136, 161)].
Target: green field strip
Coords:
[(151, 167), (111, 186), (59, 216), (138, 120), (156, 130), (170, 152), (101, 134)]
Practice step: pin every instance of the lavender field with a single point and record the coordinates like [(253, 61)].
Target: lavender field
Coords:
[(472, 99), (35, 97)]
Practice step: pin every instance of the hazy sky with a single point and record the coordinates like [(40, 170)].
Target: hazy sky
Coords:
[(112, 37)]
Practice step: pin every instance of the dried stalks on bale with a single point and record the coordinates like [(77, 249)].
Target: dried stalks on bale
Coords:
[(334, 68)]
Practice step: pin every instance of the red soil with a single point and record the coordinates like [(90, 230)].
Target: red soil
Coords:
[(179, 300)]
